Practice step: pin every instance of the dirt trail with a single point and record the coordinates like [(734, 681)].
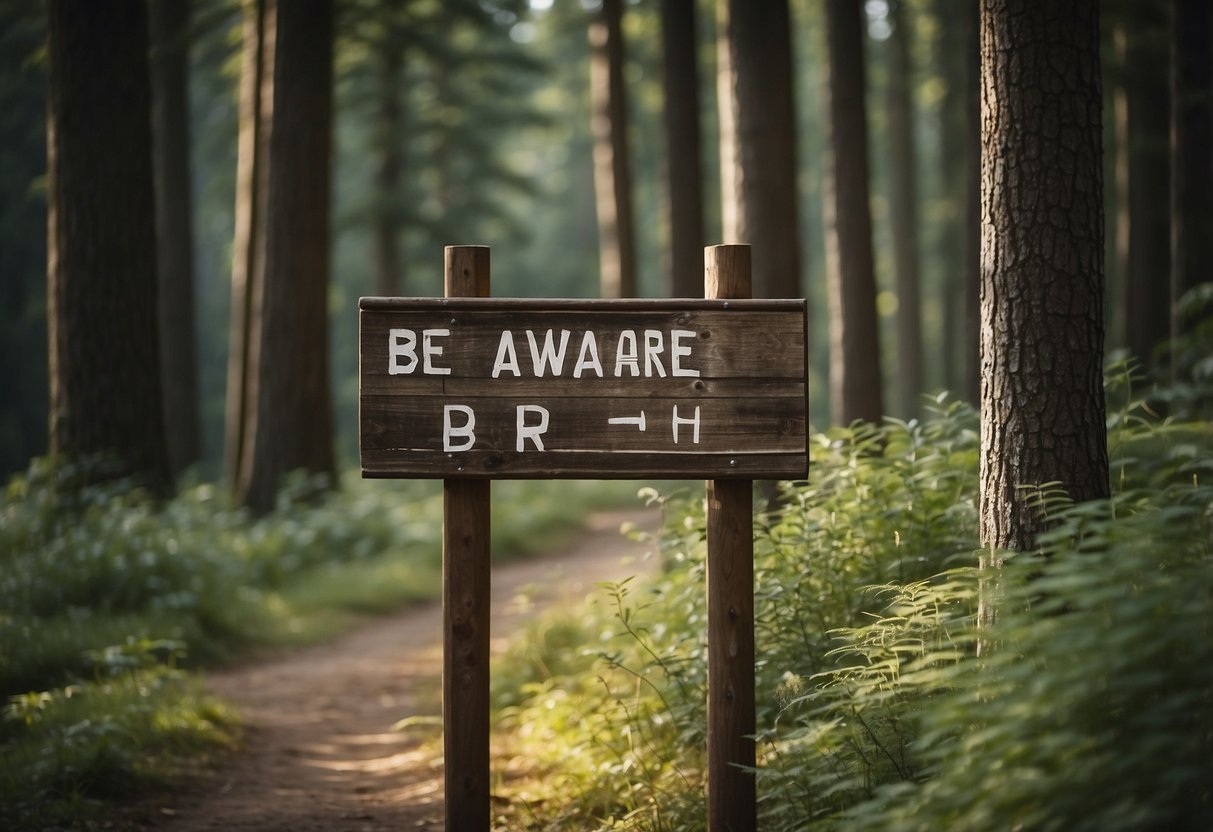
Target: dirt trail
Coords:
[(320, 752)]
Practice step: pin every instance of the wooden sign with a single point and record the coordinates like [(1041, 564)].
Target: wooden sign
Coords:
[(513, 389)]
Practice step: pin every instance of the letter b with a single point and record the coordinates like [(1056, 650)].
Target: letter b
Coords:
[(465, 432)]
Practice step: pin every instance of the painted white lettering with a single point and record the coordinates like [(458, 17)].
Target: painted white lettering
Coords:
[(465, 432), (532, 432), (587, 358), (507, 356), (401, 343), (548, 356), (626, 353), (694, 420), (678, 352), (430, 350), (654, 346)]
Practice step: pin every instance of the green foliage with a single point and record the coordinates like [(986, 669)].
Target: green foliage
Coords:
[(1087, 705), (106, 592)]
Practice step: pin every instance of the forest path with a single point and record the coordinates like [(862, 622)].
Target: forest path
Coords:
[(320, 752)]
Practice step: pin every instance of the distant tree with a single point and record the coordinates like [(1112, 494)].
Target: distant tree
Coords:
[(1191, 161), (286, 410), (1042, 402), (386, 223), (855, 376), (612, 169), (684, 174), (758, 141), (23, 261), (169, 22), (903, 211), (1147, 235), (105, 378)]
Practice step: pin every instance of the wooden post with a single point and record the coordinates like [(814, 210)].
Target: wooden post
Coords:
[(732, 798), (465, 607)]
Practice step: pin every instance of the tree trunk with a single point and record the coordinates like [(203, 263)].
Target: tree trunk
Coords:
[(1148, 237), (248, 249), (175, 238), (1042, 403), (612, 169), (758, 141), (903, 213), (680, 84), (385, 229), (972, 209), (1191, 161), (288, 417), (854, 339), (105, 382)]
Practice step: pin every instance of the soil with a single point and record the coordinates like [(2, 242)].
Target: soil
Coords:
[(320, 752)]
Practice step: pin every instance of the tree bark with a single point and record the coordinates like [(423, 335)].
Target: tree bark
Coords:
[(105, 382), (903, 213), (612, 168), (288, 416), (175, 239), (758, 141), (1042, 403), (680, 84), (854, 337), (248, 244), (1191, 162)]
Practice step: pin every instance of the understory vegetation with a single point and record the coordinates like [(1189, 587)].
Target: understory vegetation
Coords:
[(108, 597), (1086, 705)]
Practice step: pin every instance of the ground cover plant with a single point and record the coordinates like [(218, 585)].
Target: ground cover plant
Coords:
[(1089, 704), (109, 596)]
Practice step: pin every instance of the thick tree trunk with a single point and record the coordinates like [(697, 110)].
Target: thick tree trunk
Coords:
[(758, 141), (1042, 402), (175, 238), (385, 229), (680, 84), (903, 213), (288, 416), (248, 244), (854, 338), (105, 382), (612, 169), (1191, 161)]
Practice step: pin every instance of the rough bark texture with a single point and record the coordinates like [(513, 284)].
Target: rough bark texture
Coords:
[(612, 169), (1042, 403), (758, 141), (1148, 235), (854, 339), (174, 235), (288, 414), (105, 384), (680, 84), (1191, 161), (903, 213)]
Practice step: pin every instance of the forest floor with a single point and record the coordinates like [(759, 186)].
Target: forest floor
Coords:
[(319, 750)]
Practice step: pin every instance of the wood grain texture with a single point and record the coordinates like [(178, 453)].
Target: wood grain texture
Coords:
[(732, 793), (465, 609), (741, 363)]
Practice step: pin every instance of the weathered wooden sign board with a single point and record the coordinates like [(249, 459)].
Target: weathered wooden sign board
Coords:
[(496, 388)]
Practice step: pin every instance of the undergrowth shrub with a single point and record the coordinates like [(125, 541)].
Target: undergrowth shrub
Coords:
[(876, 708)]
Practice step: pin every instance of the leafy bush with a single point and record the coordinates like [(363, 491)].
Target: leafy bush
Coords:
[(876, 707)]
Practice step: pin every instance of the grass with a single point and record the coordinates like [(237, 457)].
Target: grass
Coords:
[(108, 598)]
